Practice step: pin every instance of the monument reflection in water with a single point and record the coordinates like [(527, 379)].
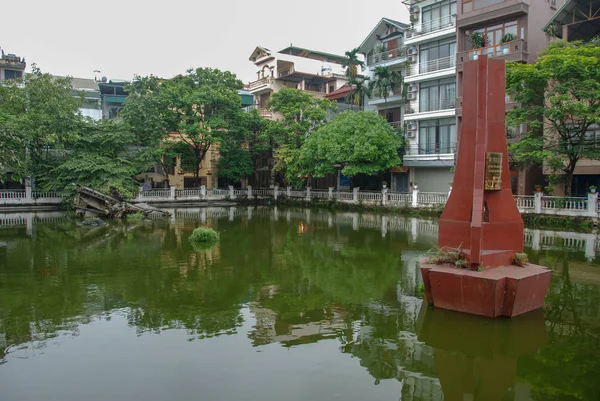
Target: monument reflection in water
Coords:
[(477, 359)]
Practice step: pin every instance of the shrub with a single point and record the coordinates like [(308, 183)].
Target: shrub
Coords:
[(521, 259), (204, 234)]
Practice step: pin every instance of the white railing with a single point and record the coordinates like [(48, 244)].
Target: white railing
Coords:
[(386, 55), (432, 66), (217, 192), (557, 202), (12, 194), (524, 201), (46, 195), (188, 193), (240, 192), (343, 195), (297, 194), (435, 25), (372, 196), (432, 198), (318, 193), (400, 197), (156, 193)]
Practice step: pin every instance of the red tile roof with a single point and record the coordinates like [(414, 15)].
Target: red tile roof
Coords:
[(339, 93)]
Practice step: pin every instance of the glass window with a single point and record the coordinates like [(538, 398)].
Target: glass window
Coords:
[(12, 74), (437, 136), (445, 50), (437, 15)]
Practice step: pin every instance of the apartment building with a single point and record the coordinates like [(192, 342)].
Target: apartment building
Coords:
[(510, 30), (315, 72), (430, 75), (11, 66), (384, 47)]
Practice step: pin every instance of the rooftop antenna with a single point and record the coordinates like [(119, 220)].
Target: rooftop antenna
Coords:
[(96, 72)]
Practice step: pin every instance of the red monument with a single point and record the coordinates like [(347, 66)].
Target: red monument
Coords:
[(481, 219)]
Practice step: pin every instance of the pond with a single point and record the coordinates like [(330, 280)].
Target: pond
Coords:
[(292, 304)]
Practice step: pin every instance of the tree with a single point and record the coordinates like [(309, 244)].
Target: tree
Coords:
[(38, 114), (301, 114), (191, 112), (242, 151), (560, 103), (385, 81), (360, 89), (352, 63), (100, 157), (359, 142)]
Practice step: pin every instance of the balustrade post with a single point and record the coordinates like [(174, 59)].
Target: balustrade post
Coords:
[(288, 192), (203, 192), (537, 202), (275, 192), (172, 192), (307, 193), (141, 193), (330, 195), (384, 196), (249, 191), (415, 197), (355, 194), (592, 205), (231, 193), (28, 190)]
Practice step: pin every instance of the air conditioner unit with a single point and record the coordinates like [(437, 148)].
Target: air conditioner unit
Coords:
[(412, 88), (412, 126), (411, 134), (412, 58), (414, 9), (411, 96), (413, 51)]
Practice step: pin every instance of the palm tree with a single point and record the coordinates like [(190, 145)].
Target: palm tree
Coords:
[(360, 89), (352, 63), (386, 81)]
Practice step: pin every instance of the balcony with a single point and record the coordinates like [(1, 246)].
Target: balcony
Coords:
[(511, 51), (478, 12), (387, 56), (433, 108), (430, 67), (261, 83), (393, 97), (395, 124), (431, 29), (434, 155)]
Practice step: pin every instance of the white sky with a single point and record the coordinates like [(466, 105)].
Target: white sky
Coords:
[(126, 37)]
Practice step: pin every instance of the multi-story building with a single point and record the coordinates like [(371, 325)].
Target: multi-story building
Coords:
[(315, 72), (510, 30), (429, 117), (385, 47), (87, 90), (113, 97), (11, 66)]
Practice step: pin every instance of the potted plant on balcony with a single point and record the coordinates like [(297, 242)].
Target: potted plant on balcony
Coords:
[(549, 190), (538, 188), (478, 40), (593, 189), (507, 38)]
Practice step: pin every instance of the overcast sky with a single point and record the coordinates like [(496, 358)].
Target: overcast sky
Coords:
[(126, 37)]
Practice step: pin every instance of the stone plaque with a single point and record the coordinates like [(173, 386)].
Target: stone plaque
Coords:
[(493, 171)]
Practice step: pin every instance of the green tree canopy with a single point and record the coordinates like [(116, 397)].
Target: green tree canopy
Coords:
[(385, 82), (195, 109), (301, 114), (101, 157), (360, 142), (37, 114), (560, 103)]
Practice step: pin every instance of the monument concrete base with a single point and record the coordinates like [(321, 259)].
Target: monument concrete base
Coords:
[(500, 291)]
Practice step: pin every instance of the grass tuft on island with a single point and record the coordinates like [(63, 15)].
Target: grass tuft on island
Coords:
[(204, 235)]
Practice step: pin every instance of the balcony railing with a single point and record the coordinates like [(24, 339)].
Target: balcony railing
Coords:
[(446, 148), (515, 46), (432, 66), (431, 105), (385, 56), (396, 92), (261, 82), (435, 25), (395, 124)]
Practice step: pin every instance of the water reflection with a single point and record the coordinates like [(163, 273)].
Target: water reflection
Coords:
[(294, 280)]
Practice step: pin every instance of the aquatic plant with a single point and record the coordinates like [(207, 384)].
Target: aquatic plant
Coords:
[(204, 234)]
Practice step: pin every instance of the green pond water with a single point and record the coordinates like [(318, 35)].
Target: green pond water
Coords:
[(290, 305)]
